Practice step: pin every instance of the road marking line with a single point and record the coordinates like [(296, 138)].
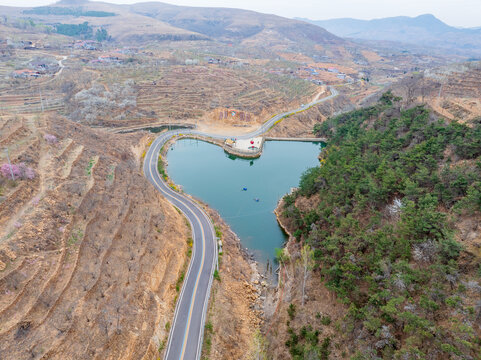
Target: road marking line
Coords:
[(192, 301), (202, 261)]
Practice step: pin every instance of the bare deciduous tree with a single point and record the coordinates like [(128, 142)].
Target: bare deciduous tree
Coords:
[(308, 263), (96, 103), (282, 257)]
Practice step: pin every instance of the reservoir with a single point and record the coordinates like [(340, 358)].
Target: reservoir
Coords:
[(205, 171)]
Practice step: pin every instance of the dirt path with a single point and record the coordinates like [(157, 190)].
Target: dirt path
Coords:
[(58, 73), (318, 96)]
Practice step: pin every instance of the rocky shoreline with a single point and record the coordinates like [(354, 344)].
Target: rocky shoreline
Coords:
[(236, 308)]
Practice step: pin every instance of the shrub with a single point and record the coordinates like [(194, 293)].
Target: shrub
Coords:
[(51, 139), (322, 129), (291, 311), (326, 320), (94, 104), (325, 348)]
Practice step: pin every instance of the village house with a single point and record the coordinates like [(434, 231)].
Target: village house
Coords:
[(86, 45), (213, 61), (44, 67), (126, 51), (26, 73), (19, 44), (191, 62), (31, 46), (110, 58)]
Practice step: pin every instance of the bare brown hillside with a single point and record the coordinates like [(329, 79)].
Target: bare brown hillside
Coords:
[(150, 94), (124, 26), (89, 251), (236, 24), (301, 124)]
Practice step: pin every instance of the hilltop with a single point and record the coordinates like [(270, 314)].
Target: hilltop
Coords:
[(123, 25), (236, 24)]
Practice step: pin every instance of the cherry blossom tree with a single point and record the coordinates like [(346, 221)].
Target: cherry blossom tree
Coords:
[(20, 171)]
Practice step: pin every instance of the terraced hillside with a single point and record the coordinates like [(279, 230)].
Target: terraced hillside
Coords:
[(193, 92), (89, 252), (452, 91), (20, 95), (134, 95), (30, 102), (465, 82)]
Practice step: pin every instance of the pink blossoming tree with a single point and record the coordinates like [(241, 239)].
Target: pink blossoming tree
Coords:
[(51, 139), (20, 171)]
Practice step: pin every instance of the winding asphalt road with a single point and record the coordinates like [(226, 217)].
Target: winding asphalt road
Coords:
[(187, 330)]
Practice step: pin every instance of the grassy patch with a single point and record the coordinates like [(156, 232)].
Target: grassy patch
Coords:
[(111, 174), (218, 232), (180, 280), (90, 165), (75, 236), (208, 332), (160, 168), (190, 244), (161, 345)]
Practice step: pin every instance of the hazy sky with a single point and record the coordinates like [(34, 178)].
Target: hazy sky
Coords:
[(465, 13)]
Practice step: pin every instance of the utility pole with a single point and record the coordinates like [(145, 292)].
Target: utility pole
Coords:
[(41, 102), (9, 163)]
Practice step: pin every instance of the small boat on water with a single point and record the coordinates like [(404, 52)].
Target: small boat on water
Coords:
[(256, 199)]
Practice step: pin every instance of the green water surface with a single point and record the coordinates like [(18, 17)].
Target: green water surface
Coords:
[(208, 173)]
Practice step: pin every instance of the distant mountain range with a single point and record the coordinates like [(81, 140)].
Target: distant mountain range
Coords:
[(424, 30)]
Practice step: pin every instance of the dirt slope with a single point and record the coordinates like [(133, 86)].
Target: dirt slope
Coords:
[(452, 91), (89, 252)]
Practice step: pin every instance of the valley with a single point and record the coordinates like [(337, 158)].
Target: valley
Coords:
[(118, 229)]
